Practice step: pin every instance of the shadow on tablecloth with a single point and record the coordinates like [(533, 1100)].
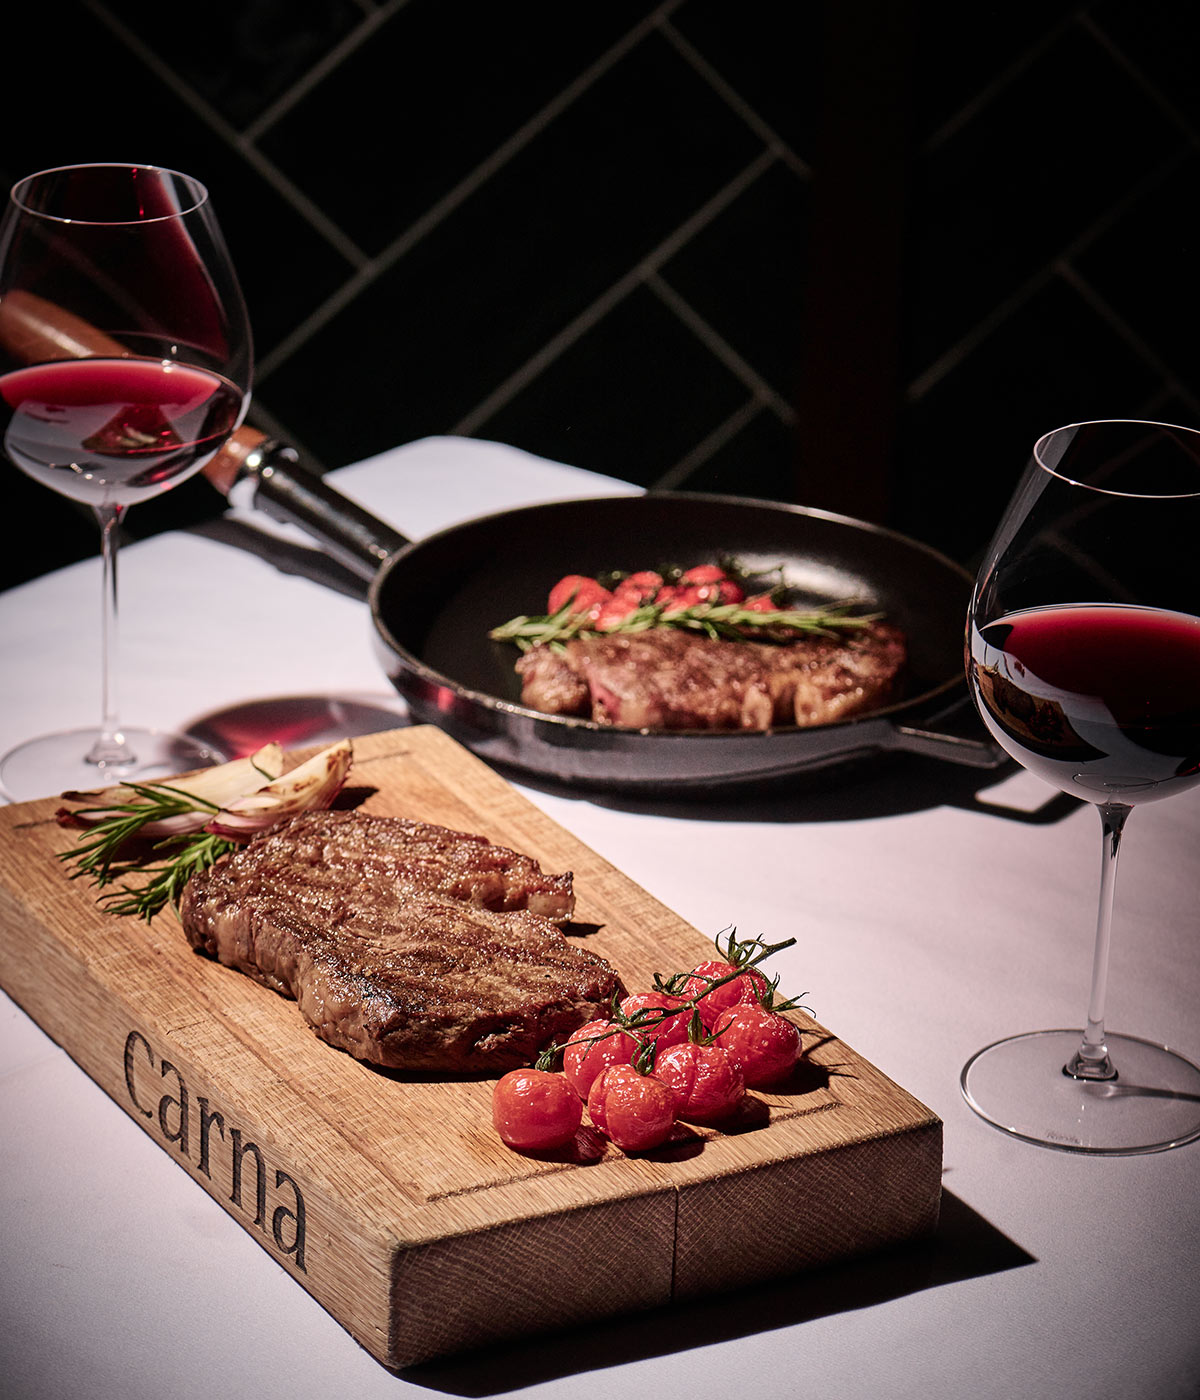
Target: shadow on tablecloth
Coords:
[(964, 1246)]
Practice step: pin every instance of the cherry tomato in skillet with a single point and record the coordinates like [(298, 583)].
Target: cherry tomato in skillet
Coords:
[(708, 583), (764, 1044), (750, 986), (641, 586), (704, 573), (708, 1085), (535, 1109), (635, 1111), (649, 1007), (761, 602), (690, 595), (584, 594), (592, 1048), (612, 613)]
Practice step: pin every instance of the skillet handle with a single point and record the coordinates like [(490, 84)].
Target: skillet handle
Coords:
[(266, 474), (966, 743), (957, 748)]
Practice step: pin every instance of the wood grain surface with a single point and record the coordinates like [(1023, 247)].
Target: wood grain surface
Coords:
[(389, 1196)]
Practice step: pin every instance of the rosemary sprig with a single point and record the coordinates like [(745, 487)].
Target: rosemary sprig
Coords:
[(723, 621), (99, 854), (192, 853), (120, 822), (192, 821)]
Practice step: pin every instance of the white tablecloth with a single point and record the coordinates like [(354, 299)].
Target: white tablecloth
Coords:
[(928, 923)]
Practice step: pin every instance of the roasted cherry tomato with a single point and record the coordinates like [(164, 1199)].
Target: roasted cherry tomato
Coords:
[(633, 592), (709, 583), (634, 1110), (593, 1048), (728, 592), (535, 1109), (642, 585), (689, 595), (704, 573), (765, 1044), (708, 1084), (749, 986), (649, 1008), (614, 612), (584, 594), (761, 602)]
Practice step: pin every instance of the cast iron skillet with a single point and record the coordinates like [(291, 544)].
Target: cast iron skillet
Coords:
[(433, 603)]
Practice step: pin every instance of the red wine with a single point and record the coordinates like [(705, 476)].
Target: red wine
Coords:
[(114, 432), (1101, 700)]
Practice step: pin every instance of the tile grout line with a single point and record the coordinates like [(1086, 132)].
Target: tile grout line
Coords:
[(1103, 40), (1112, 318), (733, 99), (370, 270), (939, 367), (720, 348), (372, 21), (974, 105), (227, 133), (704, 449), (616, 293)]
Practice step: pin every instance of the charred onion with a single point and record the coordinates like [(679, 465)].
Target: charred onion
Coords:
[(190, 821)]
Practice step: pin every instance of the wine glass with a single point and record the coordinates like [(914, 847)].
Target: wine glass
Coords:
[(1083, 658), (125, 364)]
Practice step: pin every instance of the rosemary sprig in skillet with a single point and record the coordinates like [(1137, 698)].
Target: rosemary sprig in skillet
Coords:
[(727, 621)]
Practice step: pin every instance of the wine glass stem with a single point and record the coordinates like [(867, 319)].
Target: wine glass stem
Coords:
[(1091, 1060), (110, 749)]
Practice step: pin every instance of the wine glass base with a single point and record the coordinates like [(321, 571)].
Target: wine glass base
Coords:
[(57, 763), (1019, 1086)]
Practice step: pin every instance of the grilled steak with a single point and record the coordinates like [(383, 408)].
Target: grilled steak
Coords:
[(666, 678), (402, 943), (379, 850)]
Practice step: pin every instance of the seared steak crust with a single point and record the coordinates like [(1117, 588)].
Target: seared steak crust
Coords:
[(364, 848), (382, 962), (666, 678)]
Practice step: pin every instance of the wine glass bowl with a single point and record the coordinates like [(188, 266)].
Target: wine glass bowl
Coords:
[(1083, 659), (125, 365)]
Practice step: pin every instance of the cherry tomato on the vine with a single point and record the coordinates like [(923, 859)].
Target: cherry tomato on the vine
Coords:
[(748, 987), (765, 1044), (535, 1109), (635, 1111), (649, 1007), (593, 1048), (707, 1083)]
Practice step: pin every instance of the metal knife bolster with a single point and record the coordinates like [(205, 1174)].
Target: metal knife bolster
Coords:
[(271, 478)]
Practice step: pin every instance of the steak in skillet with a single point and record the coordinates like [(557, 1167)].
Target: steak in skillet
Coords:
[(403, 944), (666, 678)]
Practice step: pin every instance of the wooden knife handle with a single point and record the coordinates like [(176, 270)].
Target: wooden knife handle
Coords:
[(225, 468), (33, 329)]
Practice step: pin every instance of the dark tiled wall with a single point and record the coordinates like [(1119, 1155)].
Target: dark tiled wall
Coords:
[(857, 256)]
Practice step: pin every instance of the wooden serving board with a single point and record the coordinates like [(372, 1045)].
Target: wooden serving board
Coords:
[(389, 1197)]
